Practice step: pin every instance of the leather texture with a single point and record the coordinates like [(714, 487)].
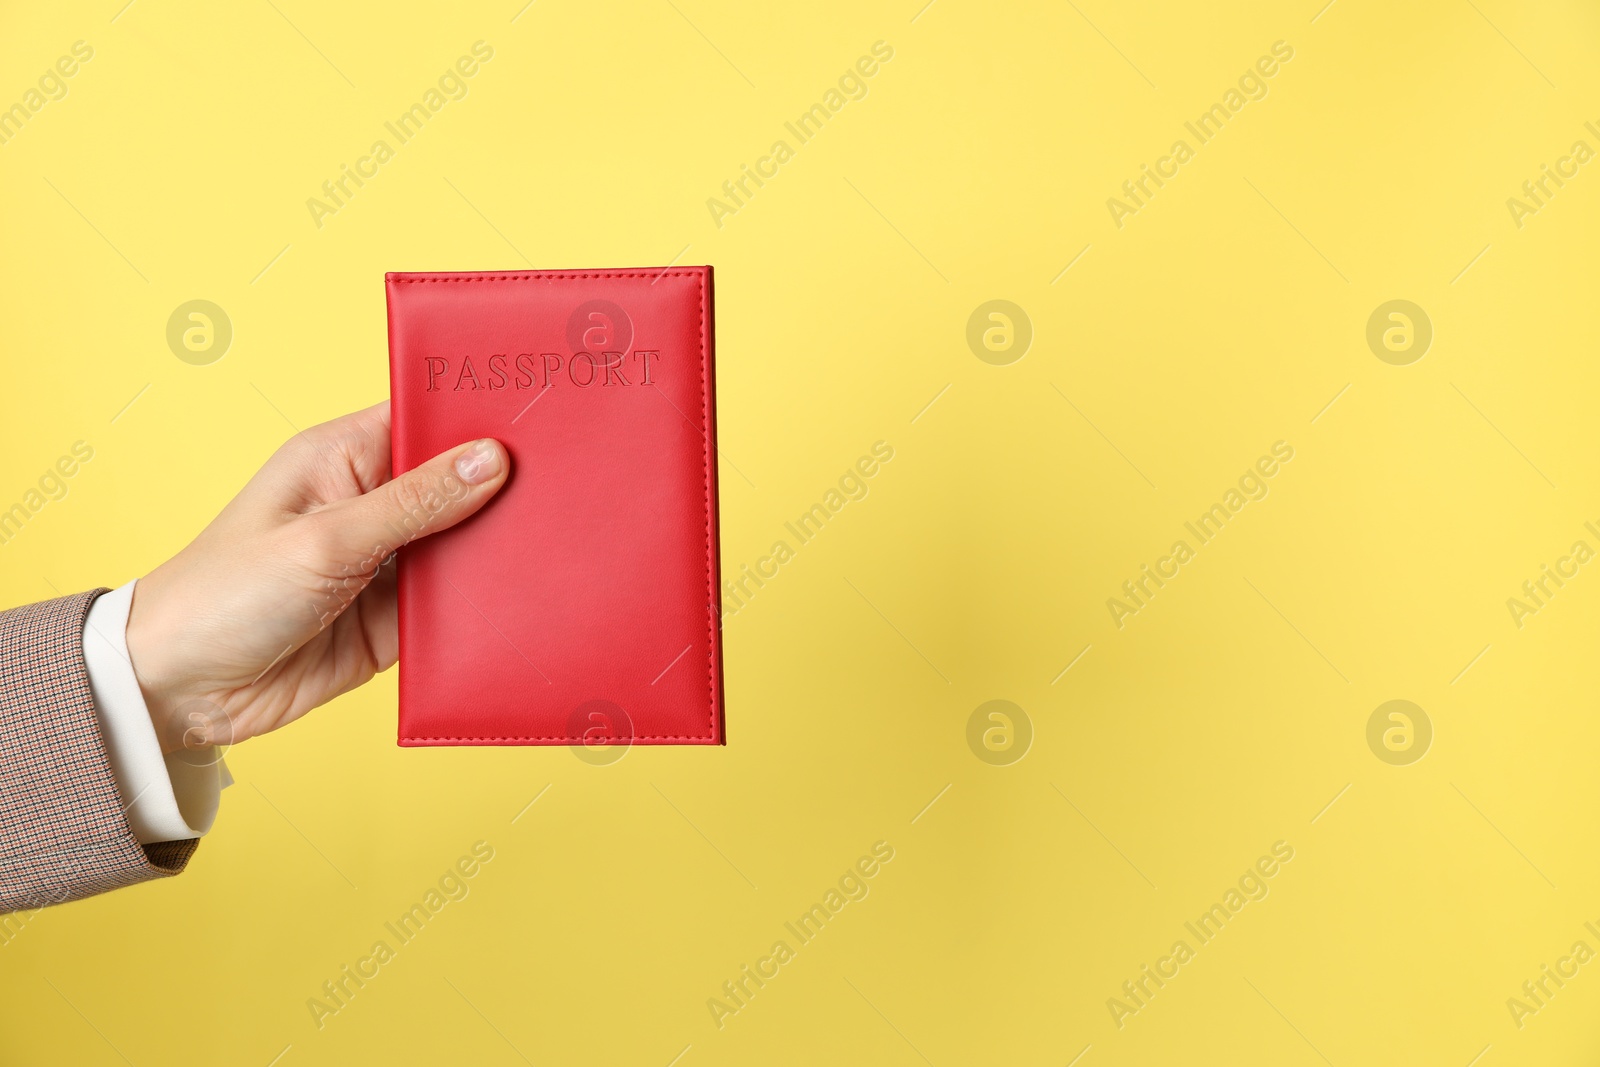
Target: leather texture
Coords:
[(580, 605)]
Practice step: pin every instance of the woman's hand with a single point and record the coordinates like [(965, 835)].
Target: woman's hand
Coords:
[(287, 599)]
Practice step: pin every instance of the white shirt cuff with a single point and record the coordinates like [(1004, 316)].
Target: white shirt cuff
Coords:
[(165, 798)]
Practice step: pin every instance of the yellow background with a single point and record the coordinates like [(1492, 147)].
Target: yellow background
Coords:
[(1225, 716)]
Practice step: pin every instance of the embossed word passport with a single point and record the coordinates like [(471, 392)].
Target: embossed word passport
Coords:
[(580, 605)]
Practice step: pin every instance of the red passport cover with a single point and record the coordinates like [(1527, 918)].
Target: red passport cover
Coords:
[(580, 605)]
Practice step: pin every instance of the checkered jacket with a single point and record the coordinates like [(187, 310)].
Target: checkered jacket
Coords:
[(62, 830)]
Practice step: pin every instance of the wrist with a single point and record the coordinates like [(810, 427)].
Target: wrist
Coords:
[(182, 718)]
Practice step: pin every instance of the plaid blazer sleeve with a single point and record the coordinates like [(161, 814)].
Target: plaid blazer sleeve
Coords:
[(62, 830)]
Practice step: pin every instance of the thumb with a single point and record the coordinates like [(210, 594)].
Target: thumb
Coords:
[(432, 497)]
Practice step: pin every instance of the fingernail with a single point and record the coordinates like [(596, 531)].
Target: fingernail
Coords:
[(479, 463)]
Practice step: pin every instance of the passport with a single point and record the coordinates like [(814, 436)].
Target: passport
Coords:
[(580, 606)]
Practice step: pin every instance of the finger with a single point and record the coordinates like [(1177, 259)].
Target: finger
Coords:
[(360, 439), (430, 498), (330, 460), (369, 441), (378, 606)]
